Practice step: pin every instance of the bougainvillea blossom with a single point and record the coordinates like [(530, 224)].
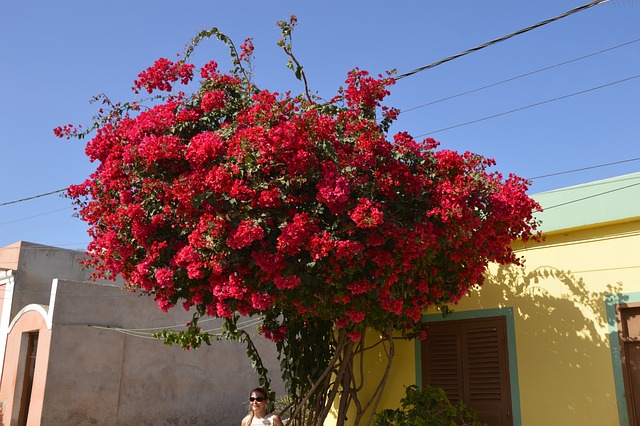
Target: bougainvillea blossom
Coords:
[(237, 199)]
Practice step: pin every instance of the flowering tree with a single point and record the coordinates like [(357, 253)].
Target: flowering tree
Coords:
[(233, 200)]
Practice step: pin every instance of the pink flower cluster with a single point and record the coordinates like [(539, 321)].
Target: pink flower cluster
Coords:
[(244, 235), (162, 74), (366, 214), (236, 199)]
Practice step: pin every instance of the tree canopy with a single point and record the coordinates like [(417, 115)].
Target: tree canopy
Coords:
[(230, 199)]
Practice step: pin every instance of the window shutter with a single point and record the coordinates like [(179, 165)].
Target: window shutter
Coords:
[(469, 360), (483, 364), (443, 355)]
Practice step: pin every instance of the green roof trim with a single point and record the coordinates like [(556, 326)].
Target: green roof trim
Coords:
[(602, 201)]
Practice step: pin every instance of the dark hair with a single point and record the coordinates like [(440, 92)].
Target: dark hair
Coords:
[(260, 391)]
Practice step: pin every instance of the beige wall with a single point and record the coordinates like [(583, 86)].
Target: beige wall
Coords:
[(103, 366), (36, 266), (138, 380)]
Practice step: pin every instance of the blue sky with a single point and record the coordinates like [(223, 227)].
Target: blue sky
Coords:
[(57, 55)]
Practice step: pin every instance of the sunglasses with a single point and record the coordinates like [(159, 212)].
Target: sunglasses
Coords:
[(257, 398)]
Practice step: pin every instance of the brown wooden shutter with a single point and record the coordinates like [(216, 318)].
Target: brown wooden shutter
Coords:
[(444, 357), (628, 317), (469, 360)]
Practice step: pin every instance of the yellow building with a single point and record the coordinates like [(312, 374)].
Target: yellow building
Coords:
[(556, 342)]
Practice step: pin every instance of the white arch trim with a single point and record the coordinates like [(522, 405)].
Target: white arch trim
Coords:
[(41, 309)]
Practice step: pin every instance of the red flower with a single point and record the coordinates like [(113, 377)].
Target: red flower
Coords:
[(366, 214), (164, 277), (162, 74), (246, 49), (320, 245), (246, 233), (210, 70), (333, 190), (234, 199), (295, 234), (355, 336), (204, 147), (269, 198), (286, 283), (213, 100)]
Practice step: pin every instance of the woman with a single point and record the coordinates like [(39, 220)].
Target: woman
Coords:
[(258, 415)]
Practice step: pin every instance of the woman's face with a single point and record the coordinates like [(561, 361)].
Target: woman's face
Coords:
[(257, 400)]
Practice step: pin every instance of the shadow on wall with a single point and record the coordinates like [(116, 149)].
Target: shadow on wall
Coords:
[(562, 339)]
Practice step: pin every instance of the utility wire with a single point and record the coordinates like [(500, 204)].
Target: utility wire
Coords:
[(548, 175), (591, 196), (450, 58), (519, 76), (583, 168), (31, 198), (135, 333), (35, 215), (442, 61), (530, 178), (528, 106), (503, 38), (166, 327)]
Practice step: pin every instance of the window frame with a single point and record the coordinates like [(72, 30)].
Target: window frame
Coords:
[(507, 313)]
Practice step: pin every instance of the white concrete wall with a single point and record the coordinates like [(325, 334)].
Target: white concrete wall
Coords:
[(102, 376), (36, 265), (97, 375)]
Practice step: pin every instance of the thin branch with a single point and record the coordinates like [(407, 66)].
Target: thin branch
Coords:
[(330, 367), (379, 342), (299, 70), (385, 377), (347, 351), (285, 42), (206, 34)]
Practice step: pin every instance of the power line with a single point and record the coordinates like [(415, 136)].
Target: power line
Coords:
[(591, 196), (31, 198), (166, 327), (141, 332), (583, 168), (482, 46), (503, 38), (529, 178), (519, 76), (450, 58), (35, 215), (528, 106)]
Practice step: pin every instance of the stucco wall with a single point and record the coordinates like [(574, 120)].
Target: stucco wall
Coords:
[(565, 365), (9, 256), (35, 266), (102, 376), (565, 372), (564, 359), (91, 370)]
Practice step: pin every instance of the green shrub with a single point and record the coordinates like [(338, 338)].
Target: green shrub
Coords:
[(427, 407)]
